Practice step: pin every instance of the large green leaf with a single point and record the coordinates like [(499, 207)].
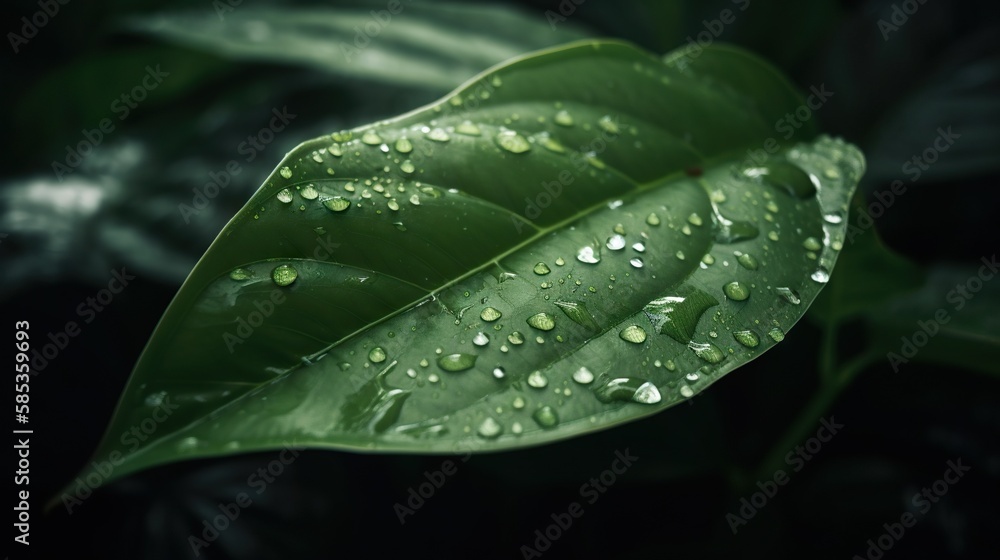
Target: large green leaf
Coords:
[(463, 271)]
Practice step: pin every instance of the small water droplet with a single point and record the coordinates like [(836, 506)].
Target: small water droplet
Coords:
[(376, 355), (615, 242), (490, 428), (546, 417), (583, 376), (241, 274), (639, 247), (438, 135), (407, 167), (456, 362), (371, 138), (481, 339), (812, 244), (686, 392), (512, 142), (403, 145), (652, 219), (335, 150), (694, 219), (519, 403), (736, 291), (541, 269), (542, 321), (515, 338), (587, 255), (609, 125), (285, 195), (707, 351), (634, 334), (747, 261), (821, 275), (415, 199), (468, 128), (563, 118), (747, 338), (490, 314), (286, 172), (680, 255), (776, 334), (284, 275), (636, 262), (499, 372)]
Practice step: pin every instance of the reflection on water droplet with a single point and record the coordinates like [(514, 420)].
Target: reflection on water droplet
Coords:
[(678, 316), (376, 355), (286, 172), (537, 380), (615, 242), (587, 255), (583, 376), (490, 428), (546, 417), (636, 262), (747, 338), (821, 275), (456, 362), (337, 204), (626, 389), (542, 321), (647, 393), (284, 275), (512, 142), (633, 334), (285, 195), (490, 314), (541, 269), (515, 338), (736, 291), (481, 339), (707, 351)]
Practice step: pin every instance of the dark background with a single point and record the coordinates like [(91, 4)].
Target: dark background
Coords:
[(119, 209)]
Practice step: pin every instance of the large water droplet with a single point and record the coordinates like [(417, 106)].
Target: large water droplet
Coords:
[(615, 242), (438, 135), (707, 351), (537, 380), (647, 393), (468, 128), (587, 255), (407, 167), (309, 192), (636, 262), (747, 338), (736, 291), (456, 362), (626, 389), (371, 138), (285, 195), (403, 145), (633, 334), (376, 355), (546, 417), (812, 244), (747, 261), (490, 314), (791, 178), (542, 321), (821, 275), (513, 142), (678, 316), (515, 338), (284, 275), (583, 376), (490, 428), (776, 334), (480, 339), (579, 314), (337, 204), (285, 172), (241, 274), (541, 269)]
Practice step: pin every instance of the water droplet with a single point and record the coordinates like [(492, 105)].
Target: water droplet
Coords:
[(678, 316), (371, 138), (587, 255), (579, 314), (512, 142), (407, 167), (309, 192), (490, 428), (639, 247), (481, 339), (707, 351), (490, 314), (284, 275), (563, 118), (812, 244), (515, 338), (686, 392), (615, 242), (376, 355), (736, 291), (652, 219), (772, 235), (583, 376), (680, 255), (542, 321), (438, 135), (519, 403), (335, 150), (694, 219), (609, 125), (633, 334), (821, 275), (537, 380), (747, 261), (285, 195), (647, 393), (337, 204), (776, 334), (415, 199), (550, 144), (747, 338), (499, 372), (789, 295), (833, 218), (468, 128), (241, 274), (286, 172), (456, 362), (636, 262), (546, 417), (708, 259), (541, 269), (403, 145)]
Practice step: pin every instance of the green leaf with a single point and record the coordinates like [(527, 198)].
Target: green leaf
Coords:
[(431, 284)]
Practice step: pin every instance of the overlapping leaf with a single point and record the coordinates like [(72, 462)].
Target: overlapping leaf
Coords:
[(575, 239)]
